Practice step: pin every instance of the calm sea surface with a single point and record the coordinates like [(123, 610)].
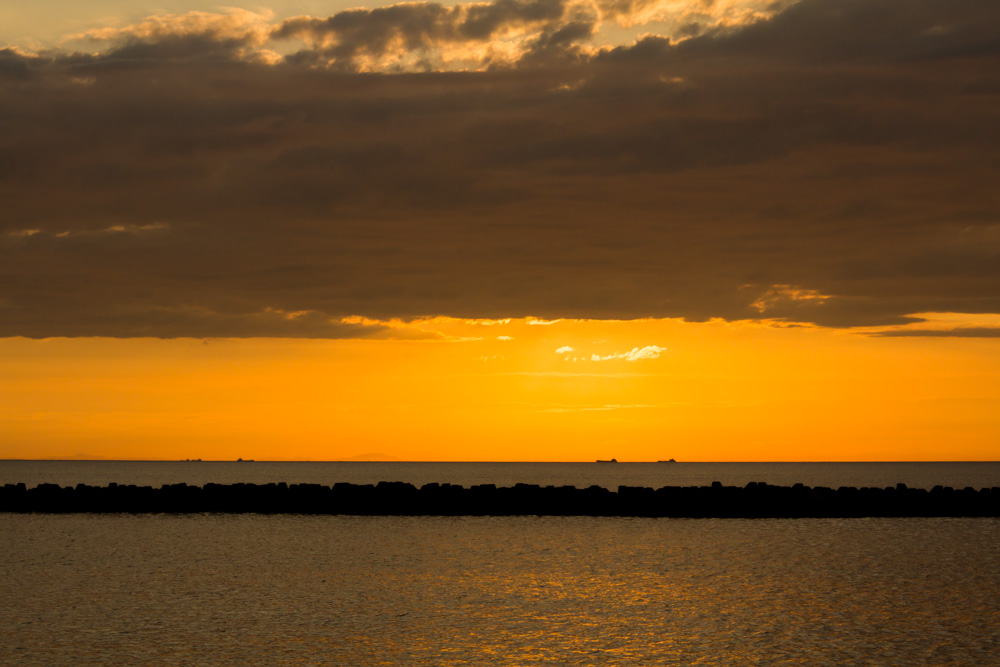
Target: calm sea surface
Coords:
[(308, 590), (402, 591), (609, 475)]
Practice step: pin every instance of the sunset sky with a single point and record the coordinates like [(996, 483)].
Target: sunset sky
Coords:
[(510, 230)]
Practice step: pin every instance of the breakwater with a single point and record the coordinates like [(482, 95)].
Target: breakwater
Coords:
[(755, 500)]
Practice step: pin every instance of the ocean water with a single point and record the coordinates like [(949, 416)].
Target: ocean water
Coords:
[(609, 475), (91, 589), (333, 590)]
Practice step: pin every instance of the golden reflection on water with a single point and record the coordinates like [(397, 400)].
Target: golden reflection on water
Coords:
[(247, 590)]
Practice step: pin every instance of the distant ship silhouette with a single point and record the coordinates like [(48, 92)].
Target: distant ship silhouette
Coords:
[(667, 461), (607, 461)]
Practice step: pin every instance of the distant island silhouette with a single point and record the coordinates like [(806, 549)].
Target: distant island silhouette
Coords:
[(755, 500)]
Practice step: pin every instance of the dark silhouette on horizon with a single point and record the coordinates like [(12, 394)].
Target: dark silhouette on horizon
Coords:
[(755, 500)]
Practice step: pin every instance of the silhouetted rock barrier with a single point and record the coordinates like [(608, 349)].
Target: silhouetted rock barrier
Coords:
[(755, 500)]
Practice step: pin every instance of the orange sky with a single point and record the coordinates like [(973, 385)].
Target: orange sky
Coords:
[(694, 392), (229, 231)]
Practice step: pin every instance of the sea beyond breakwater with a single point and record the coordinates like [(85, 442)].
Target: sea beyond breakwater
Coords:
[(754, 500)]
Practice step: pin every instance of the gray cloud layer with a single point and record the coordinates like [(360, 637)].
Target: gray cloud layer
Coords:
[(418, 26), (961, 332), (180, 187)]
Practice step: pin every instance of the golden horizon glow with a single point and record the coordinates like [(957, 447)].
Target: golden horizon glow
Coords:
[(509, 390)]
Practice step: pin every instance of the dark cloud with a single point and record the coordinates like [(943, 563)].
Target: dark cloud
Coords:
[(846, 150), (559, 45), (412, 26), (14, 66), (961, 332), (204, 46), (136, 320)]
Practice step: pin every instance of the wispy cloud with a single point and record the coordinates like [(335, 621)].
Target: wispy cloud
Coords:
[(777, 294), (958, 332), (635, 354), (76, 233), (610, 407), (943, 325), (571, 374), (237, 27), (488, 323)]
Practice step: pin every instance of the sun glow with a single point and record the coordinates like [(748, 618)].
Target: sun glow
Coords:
[(634, 390)]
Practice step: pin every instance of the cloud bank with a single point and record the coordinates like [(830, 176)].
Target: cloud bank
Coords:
[(828, 161)]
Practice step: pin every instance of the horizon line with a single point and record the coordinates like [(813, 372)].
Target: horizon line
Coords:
[(108, 460)]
